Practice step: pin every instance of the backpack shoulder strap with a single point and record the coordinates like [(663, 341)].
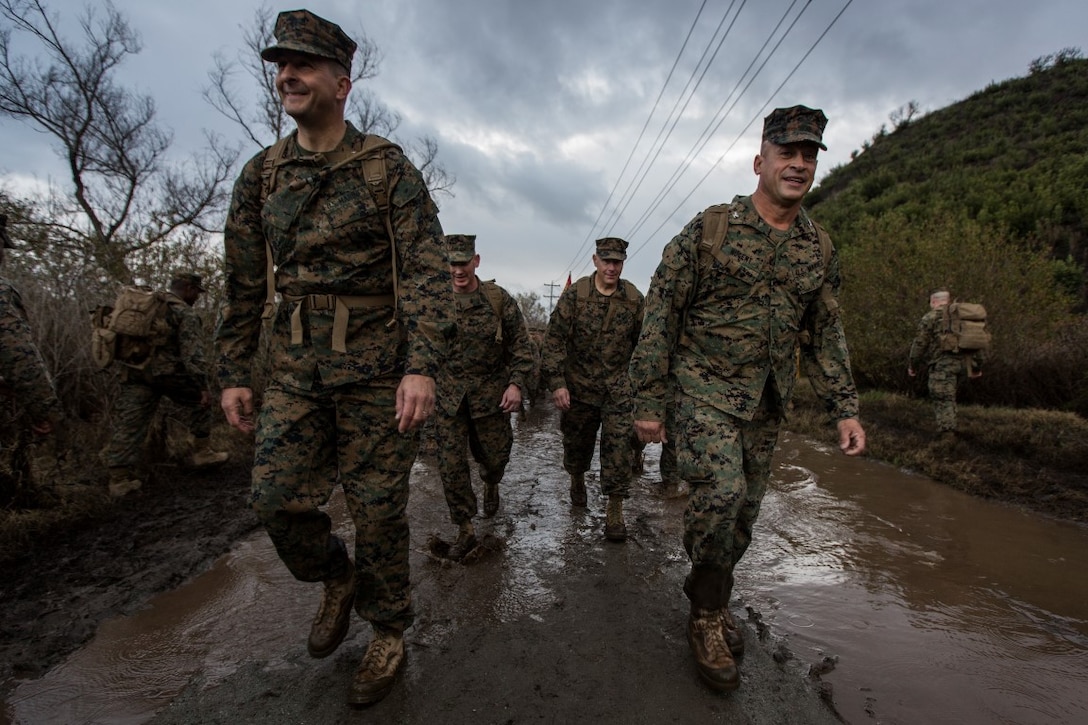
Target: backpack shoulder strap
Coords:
[(581, 288), (273, 158), (376, 176), (494, 297), (826, 250), (715, 228)]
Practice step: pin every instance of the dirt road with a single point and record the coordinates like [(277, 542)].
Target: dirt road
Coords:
[(551, 624)]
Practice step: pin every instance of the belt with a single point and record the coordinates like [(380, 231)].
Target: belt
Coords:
[(341, 304)]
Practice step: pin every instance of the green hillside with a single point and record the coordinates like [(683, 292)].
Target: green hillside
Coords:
[(986, 196), (1014, 154)]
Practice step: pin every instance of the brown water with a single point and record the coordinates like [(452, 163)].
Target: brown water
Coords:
[(942, 608), (939, 608)]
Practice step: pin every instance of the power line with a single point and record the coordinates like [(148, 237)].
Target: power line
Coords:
[(645, 125), (719, 117), (744, 130), (674, 116)]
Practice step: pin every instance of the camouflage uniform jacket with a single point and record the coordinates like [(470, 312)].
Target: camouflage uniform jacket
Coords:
[(21, 364), (480, 366), (589, 341), (329, 238), (926, 347), (183, 351), (722, 334)]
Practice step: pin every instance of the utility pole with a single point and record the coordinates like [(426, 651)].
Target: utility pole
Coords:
[(551, 294)]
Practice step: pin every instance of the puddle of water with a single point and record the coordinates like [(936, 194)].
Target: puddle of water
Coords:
[(941, 608)]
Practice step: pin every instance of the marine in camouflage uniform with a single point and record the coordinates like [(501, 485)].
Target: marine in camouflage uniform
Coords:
[(177, 370), (355, 341), (719, 342), (946, 370), (587, 347), (480, 383), (27, 396)]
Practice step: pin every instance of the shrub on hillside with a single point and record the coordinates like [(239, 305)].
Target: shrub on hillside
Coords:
[(1039, 355)]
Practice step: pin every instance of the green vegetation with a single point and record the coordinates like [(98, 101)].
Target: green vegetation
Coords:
[(986, 197)]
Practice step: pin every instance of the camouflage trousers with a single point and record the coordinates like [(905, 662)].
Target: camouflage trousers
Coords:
[(726, 462), (307, 443), (579, 427), (945, 376), (135, 406), (669, 473), (489, 439)]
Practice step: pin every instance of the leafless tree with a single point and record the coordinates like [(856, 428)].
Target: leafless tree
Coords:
[(263, 121), (532, 309), (124, 197), (902, 116)]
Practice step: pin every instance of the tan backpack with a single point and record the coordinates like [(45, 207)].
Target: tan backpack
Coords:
[(131, 330), (963, 328)]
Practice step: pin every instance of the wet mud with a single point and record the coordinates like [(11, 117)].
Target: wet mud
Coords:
[(889, 595)]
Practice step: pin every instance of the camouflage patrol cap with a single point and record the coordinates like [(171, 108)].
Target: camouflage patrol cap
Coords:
[(304, 32), (5, 240), (190, 278), (794, 125), (612, 248), (460, 248)]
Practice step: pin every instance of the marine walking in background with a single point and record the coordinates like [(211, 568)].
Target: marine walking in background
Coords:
[(587, 348), (481, 381)]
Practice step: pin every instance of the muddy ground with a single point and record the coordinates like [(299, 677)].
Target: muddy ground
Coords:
[(606, 643)]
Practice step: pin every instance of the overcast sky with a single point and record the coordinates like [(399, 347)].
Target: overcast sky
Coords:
[(537, 105)]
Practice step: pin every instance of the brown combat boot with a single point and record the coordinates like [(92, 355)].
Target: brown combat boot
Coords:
[(734, 638), (712, 656), (466, 542), (204, 457), (378, 670), (578, 489), (614, 527), (333, 616)]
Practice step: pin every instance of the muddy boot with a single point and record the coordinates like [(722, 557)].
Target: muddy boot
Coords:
[(204, 457), (734, 638), (578, 489), (333, 616), (712, 656), (491, 498), (466, 542), (708, 587), (614, 527), (123, 481), (378, 670)]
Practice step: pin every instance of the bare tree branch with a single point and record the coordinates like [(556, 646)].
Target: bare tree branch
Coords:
[(124, 196), (266, 121)]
